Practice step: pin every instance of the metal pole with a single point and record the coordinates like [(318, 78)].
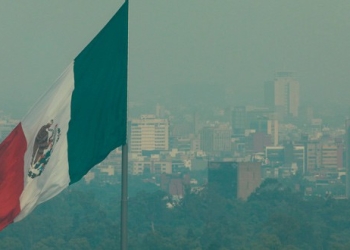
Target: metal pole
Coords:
[(124, 200), (124, 190)]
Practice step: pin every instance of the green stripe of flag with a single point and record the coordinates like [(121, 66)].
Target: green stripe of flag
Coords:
[(99, 99)]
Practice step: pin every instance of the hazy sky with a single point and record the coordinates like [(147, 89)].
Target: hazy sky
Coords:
[(235, 44)]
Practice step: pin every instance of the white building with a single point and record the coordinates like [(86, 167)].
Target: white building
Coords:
[(148, 133)]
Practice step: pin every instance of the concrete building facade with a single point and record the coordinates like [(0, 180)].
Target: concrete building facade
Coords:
[(148, 133)]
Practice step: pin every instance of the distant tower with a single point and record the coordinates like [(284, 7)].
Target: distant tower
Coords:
[(282, 94)]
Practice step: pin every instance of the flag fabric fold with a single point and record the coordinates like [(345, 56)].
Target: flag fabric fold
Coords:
[(72, 127)]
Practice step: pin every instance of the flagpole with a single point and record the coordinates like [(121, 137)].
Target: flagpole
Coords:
[(124, 200), (124, 179)]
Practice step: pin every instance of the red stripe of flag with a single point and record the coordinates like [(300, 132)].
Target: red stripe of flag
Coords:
[(12, 151)]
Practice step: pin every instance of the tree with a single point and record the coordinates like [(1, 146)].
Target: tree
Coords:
[(10, 243)]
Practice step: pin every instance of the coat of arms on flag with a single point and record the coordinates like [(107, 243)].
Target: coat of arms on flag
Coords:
[(44, 143)]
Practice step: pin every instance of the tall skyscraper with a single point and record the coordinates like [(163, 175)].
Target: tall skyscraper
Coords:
[(282, 94)]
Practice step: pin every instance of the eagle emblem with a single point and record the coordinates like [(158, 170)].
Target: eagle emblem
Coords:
[(45, 140)]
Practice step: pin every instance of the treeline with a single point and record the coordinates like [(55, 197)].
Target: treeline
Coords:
[(274, 217)]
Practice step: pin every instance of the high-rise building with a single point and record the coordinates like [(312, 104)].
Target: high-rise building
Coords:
[(222, 178), (323, 155), (313, 161), (282, 94), (207, 139), (329, 156), (215, 139), (222, 139), (286, 156), (234, 179), (239, 120), (259, 119), (249, 178), (266, 126), (148, 133)]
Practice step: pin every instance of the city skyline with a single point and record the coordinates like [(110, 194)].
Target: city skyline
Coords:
[(185, 45), (211, 125)]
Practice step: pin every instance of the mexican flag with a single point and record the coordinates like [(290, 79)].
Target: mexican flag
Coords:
[(73, 126)]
